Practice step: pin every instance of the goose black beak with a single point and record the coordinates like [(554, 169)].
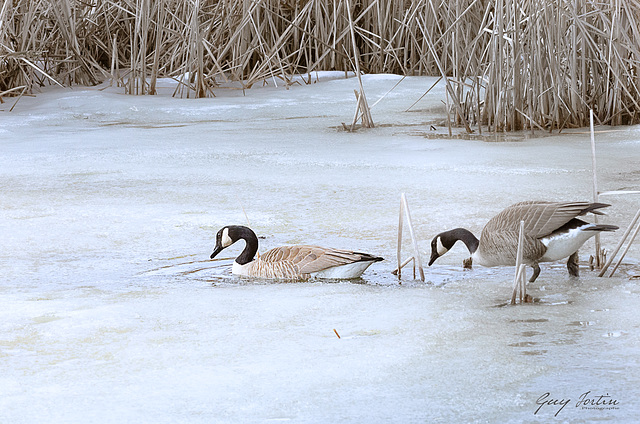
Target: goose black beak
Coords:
[(434, 256), (217, 250)]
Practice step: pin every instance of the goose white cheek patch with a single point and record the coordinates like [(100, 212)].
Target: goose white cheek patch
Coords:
[(226, 240), (440, 248)]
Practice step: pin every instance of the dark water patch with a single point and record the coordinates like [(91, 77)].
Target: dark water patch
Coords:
[(530, 301), (533, 352), (523, 344), (436, 132), (532, 333), (129, 124)]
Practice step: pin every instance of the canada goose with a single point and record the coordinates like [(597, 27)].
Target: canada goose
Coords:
[(291, 262), (551, 232)]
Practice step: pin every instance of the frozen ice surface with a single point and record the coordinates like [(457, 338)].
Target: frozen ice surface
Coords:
[(111, 311)]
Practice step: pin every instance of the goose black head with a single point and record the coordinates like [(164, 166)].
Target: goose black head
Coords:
[(226, 237), (439, 246), (443, 242)]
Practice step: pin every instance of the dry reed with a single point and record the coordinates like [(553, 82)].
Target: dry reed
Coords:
[(507, 65), (417, 261), (520, 279)]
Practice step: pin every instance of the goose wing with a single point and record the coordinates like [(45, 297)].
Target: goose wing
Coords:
[(309, 259), (540, 218), (500, 248)]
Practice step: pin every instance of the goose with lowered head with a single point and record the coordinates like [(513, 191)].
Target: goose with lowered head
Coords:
[(552, 232)]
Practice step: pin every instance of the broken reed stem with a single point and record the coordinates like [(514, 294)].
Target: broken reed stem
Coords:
[(414, 270), (361, 112), (518, 286), (399, 244), (402, 265), (24, 89), (523, 284), (620, 243), (633, 237), (404, 210), (413, 237), (599, 253)]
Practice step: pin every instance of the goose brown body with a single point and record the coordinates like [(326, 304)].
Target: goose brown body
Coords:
[(297, 262)]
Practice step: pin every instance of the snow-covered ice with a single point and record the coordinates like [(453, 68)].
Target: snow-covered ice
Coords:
[(111, 311)]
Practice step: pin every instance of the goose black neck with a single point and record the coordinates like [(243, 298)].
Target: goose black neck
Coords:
[(251, 243), (466, 237)]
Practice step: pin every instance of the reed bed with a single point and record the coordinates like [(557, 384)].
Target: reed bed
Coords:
[(508, 65), (545, 65)]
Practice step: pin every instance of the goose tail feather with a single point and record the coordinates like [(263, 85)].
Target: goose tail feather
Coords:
[(594, 209), (601, 227)]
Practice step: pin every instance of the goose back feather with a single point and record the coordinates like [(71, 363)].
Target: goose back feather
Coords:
[(303, 261), (541, 218)]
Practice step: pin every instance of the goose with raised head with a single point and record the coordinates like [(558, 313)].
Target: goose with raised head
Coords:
[(299, 262), (552, 232)]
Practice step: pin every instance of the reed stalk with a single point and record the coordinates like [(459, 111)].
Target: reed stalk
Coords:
[(599, 254), (620, 243), (399, 243), (624, 253), (519, 281), (403, 264), (405, 213)]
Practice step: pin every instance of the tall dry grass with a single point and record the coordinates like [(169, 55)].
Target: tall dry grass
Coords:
[(542, 64), (508, 65)]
